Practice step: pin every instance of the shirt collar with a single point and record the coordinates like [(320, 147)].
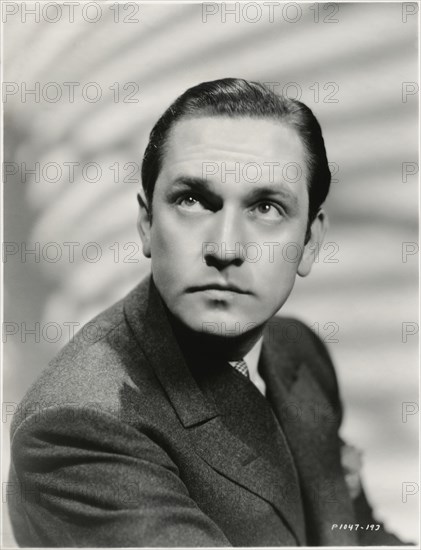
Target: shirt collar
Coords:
[(252, 358)]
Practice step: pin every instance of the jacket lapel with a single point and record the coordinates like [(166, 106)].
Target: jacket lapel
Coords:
[(310, 424), (250, 447), (146, 315), (214, 412)]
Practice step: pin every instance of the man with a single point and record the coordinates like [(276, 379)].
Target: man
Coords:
[(195, 417)]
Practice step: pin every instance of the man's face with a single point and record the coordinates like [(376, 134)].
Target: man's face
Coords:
[(229, 219)]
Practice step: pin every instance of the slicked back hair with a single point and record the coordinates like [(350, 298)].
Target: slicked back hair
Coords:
[(235, 97)]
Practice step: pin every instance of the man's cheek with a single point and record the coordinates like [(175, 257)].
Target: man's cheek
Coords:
[(161, 242), (281, 279)]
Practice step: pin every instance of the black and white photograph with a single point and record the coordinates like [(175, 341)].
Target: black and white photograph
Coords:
[(210, 274)]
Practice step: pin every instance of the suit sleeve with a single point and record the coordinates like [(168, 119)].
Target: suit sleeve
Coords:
[(326, 375), (87, 479)]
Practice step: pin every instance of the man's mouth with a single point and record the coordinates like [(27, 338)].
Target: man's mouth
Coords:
[(229, 287)]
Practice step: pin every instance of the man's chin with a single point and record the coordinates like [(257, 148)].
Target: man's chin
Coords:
[(227, 325)]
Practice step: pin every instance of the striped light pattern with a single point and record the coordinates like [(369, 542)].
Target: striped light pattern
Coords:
[(355, 65)]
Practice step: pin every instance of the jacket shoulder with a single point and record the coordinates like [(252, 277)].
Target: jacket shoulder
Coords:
[(93, 370)]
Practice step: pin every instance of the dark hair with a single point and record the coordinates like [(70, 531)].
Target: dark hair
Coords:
[(235, 97)]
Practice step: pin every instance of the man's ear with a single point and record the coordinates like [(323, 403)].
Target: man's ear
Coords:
[(311, 249), (144, 224)]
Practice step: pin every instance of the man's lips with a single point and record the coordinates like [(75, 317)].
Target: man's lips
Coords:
[(220, 287)]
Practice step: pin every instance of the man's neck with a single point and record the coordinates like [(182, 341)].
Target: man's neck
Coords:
[(213, 345)]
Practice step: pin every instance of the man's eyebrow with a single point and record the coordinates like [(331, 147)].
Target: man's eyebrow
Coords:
[(190, 182), (274, 191)]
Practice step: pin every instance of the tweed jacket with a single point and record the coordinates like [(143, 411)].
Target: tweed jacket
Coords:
[(124, 441)]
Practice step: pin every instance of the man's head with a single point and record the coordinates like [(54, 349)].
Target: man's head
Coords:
[(233, 177)]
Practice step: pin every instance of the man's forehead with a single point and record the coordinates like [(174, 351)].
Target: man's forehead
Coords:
[(240, 138)]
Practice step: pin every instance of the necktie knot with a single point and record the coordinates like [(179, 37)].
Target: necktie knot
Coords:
[(241, 367)]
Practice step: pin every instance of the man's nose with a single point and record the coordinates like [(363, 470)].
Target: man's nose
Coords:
[(225, 244)]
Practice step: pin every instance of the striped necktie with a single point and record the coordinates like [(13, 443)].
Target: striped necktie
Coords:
[(241, 366)]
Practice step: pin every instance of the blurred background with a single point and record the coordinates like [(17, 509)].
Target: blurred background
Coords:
[(99, 83)]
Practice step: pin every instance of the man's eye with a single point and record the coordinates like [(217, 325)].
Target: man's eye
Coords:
[(267, 211), (189, 202)]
